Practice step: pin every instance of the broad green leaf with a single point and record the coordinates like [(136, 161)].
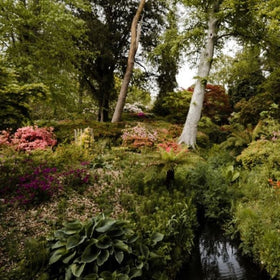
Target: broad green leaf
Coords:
[(74, 241), (58, 244), (133, 238), (123, 277), (119, 256), (68, 274), (106, 275), (122, 246), (77, 269), (154, 255), (235, 176), (72, 227), (135, 273), (157, 237), (117, 233), (69, 258), (57, 254), (144, 250), (59, 234), (107, 225), (92, 276), (103, 257), (103, 242), (90, 254)]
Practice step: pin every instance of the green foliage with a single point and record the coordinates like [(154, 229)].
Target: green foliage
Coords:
[(216, 104), (249, 112), (214, 133), (256, 219), (260, 152), (173, 214), (241, 136), (64, 129), (15, 98), (210, 184), (177, 104), (39, 38), (102, 248)]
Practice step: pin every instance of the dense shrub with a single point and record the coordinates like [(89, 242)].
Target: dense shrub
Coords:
[(172, 214), (256, 218), (216, 105), (261, 152), (210, 183), (139, 136), (104, 248), (248, 111), (29, 138), (30, 178)]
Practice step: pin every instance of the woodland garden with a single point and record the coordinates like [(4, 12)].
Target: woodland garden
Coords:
[(108, 169)]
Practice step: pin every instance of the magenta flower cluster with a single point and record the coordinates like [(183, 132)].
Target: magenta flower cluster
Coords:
[(75, 177), (38, 186), (45, 182), (29, 138)]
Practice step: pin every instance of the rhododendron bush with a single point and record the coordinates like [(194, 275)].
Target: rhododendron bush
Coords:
[(29, 138), (139, 136)]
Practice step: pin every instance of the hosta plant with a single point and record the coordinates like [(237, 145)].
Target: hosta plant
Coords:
[(101, 248)]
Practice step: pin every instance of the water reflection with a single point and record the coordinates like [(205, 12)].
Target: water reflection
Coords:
[(216, 258)]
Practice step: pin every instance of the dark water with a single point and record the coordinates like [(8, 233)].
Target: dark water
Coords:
[(216, 258)]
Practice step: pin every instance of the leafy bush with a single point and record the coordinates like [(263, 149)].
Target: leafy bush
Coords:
[(14, 98), (260, 152), (249, 110), (215, 133), (216, 105), (257, 223), (172, 214), (29, 138), (30, 178), (210, 185), (103, 248), (138, 136), (38, 186)]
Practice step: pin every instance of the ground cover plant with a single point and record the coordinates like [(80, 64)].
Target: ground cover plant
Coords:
[(155, 190)]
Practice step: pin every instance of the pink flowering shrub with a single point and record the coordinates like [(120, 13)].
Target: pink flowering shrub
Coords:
[(29, 138), (139, 136), (42, 183), (5, 137), (171, 147)]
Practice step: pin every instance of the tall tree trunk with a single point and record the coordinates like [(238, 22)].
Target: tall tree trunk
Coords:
[(135, 36), (189, 133)]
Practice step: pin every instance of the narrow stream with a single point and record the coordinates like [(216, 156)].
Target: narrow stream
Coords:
[(214, 257)]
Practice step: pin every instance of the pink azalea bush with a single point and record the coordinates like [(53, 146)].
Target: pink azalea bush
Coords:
[(29, 138), (138, 136), (171, 146)]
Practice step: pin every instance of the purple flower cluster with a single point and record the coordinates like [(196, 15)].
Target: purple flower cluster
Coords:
[(44, 182), (38, 186), (75, 178)]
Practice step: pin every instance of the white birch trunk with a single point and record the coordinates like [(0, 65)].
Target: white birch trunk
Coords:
[(189, 133)]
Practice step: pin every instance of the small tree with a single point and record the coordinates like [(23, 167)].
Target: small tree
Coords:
[(135, 37)]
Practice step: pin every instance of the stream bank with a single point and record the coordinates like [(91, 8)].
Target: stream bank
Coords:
[(216, 257)]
